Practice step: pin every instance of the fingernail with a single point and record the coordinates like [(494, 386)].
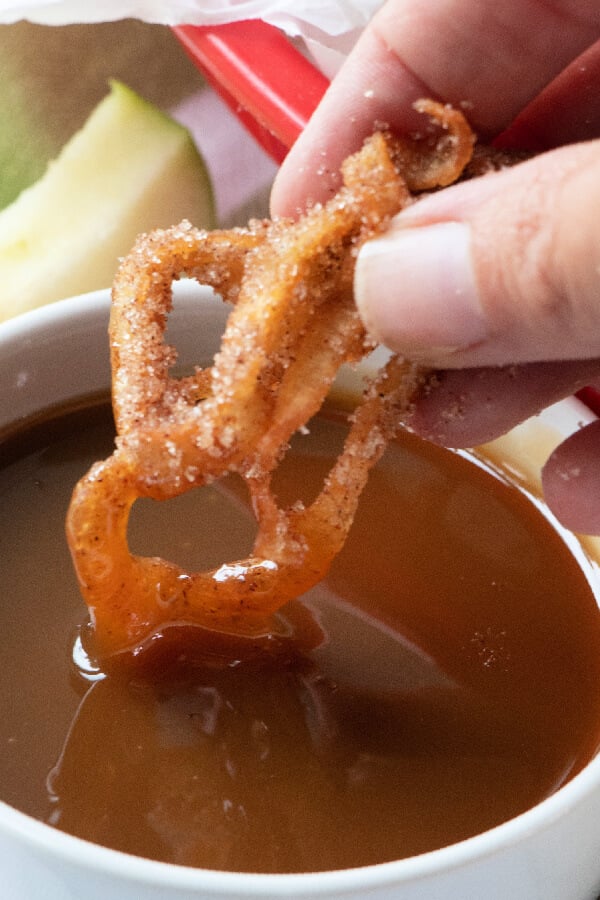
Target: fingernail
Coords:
[(416, 291)]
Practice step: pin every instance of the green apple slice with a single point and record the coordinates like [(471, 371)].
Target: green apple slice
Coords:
[(130, 169), (53, 77)]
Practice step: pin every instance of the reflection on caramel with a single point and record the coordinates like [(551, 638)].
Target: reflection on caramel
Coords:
[(442, 679)]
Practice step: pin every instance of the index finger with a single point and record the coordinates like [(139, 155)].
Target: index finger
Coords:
[(490, 59)]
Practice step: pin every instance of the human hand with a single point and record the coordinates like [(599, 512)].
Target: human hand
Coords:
[(495, 282)]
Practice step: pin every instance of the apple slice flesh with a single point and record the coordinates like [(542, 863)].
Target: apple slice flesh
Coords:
[(130, 169)]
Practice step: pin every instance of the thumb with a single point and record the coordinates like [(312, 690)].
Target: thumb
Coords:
[(502, 269)]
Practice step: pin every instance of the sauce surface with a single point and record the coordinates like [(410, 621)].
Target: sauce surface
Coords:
[(455, 684)]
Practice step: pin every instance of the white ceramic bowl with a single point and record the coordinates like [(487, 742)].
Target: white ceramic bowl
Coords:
[(551, 852)]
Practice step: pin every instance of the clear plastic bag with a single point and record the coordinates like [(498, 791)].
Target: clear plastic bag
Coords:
[(307, 18)]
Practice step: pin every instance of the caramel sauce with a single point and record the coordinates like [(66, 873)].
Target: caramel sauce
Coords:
[(442, 679)]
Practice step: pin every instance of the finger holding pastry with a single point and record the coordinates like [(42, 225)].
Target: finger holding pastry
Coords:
[(500, 291), (494, 283), (490, 60)]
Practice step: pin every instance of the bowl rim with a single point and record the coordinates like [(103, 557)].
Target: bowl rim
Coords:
[(80, 853)]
